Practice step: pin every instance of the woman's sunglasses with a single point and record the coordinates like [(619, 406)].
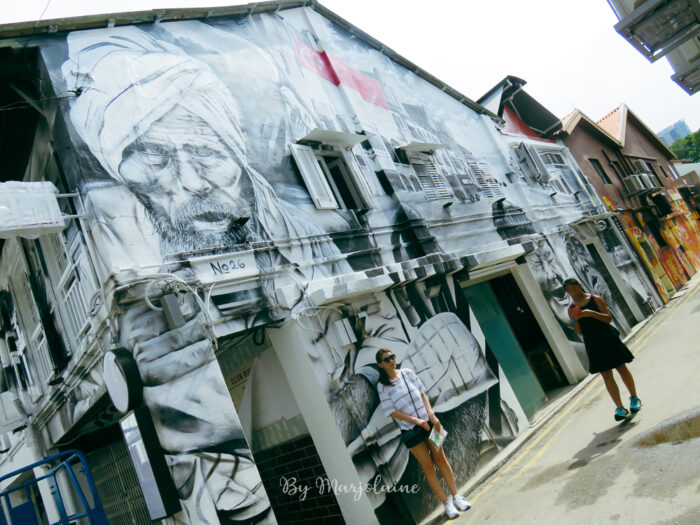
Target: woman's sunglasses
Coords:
[(388, 358)]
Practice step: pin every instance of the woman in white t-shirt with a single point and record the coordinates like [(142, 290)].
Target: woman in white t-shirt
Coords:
[(403, 397)]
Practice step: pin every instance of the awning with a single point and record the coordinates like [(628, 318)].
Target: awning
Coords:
[(326, 136), (491, 262), (420, 147)]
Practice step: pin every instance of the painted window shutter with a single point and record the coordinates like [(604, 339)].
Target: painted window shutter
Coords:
[(21, 292), (490, 185), (358, 175), (526, 158), (532, 159), (431, 181), (438, 180), (315, 180), (544, 175), (425, 183)]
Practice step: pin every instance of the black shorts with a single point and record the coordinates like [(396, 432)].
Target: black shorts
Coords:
[(416, 435)]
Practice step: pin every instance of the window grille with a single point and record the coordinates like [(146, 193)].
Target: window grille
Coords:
[(71, 285), (552, 159)]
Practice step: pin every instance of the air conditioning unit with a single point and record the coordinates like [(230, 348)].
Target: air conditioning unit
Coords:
[(634, 184), (641, 166), (650, 181)]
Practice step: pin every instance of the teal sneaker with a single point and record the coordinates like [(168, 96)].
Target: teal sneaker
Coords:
[(621, 413), (635, 404)]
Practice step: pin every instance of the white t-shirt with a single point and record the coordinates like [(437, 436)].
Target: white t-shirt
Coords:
[(403, 396)]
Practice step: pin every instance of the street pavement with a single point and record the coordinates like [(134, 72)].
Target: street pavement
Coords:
[(581, 466)]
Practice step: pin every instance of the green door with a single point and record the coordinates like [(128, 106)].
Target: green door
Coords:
[(505, 347)]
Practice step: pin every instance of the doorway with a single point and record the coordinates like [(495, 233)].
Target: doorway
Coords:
[(528, 333), (279, 439)]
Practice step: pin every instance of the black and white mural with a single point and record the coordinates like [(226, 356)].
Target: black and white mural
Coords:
[(563, 254), (622, 259), (432, 331), (262, 159)]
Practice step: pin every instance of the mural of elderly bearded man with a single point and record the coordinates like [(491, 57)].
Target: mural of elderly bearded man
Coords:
[(550, 274), (163, 126)]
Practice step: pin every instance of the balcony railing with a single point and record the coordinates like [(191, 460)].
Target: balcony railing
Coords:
[(640, 183)]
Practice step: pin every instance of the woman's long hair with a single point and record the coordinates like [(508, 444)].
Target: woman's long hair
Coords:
[(383, 376)]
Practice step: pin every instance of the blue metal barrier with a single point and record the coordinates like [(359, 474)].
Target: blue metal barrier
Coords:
[(25, 513)]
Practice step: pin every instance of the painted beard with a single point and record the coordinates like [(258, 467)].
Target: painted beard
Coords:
[(558, 301), (183, 233), (186, 230)]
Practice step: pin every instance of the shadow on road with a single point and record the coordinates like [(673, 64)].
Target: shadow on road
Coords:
[(601, 444)]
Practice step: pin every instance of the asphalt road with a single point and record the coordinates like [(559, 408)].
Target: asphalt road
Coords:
[(583, 467)]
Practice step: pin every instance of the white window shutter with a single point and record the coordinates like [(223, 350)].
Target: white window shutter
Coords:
[(425, 182), (438, 180), (314, 178), (430, 179), (539, 170), (358, 176), (488, 183)]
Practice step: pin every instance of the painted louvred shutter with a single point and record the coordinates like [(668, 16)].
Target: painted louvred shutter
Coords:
[(544, 175), (488, 183), (431, 180), (313, 176), (358, 176), (532, 160), (439, 182)]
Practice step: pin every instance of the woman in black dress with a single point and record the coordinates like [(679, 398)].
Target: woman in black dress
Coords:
[(605, 350)]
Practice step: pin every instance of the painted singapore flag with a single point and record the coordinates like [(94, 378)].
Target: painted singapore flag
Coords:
[(335, 70)]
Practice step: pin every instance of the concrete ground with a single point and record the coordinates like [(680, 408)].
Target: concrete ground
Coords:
[(577, 465)]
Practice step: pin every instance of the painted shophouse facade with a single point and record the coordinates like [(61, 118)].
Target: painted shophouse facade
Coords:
[(594, 246), (631, 170), (257, 199)]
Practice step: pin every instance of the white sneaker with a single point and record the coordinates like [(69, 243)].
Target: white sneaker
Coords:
[(450, 510), (461, 503)]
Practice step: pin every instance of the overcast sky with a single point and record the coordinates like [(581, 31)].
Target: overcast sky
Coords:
[(566, 50)]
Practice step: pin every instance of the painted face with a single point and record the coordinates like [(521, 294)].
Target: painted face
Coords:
[(550, 277), (584, 266), (190, 182)]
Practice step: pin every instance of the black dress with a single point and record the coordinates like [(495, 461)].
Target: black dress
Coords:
[(603, 345)]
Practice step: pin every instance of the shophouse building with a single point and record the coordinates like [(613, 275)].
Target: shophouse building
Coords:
[(632, 171), (256, 199)]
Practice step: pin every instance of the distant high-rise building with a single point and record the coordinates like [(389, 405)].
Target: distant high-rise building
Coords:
[(675, 131)]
